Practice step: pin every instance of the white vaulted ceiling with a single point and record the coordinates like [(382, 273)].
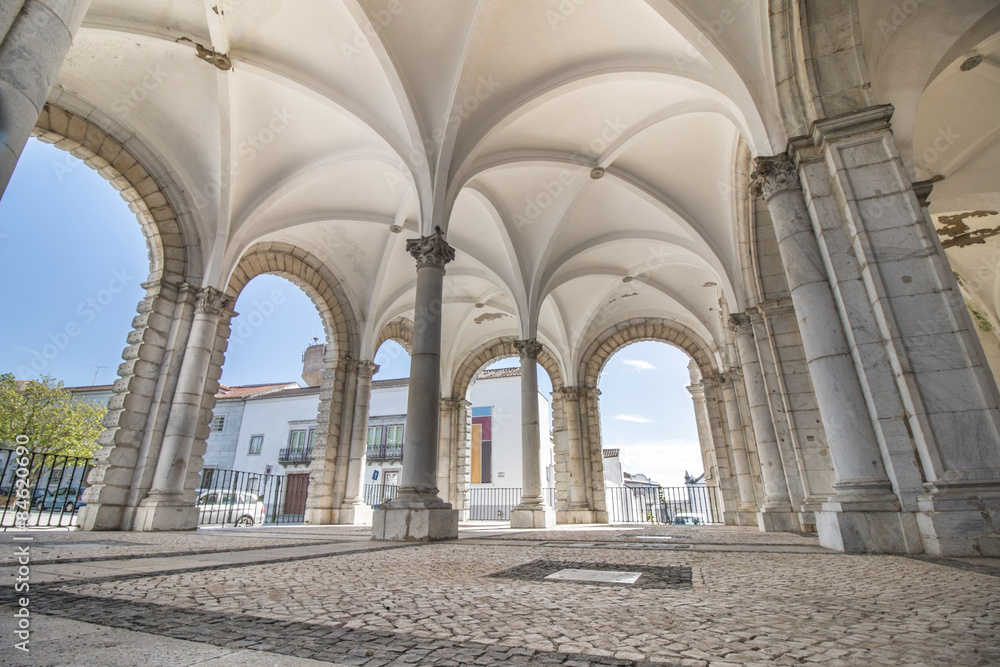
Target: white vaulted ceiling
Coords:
[(342, 121)]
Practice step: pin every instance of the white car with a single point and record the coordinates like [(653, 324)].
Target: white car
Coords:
[(239, 508)]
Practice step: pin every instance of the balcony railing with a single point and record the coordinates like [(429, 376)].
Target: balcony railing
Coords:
[(288, 455), (385, 453)]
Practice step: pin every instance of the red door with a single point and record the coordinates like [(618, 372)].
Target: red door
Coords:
[(296, 491)]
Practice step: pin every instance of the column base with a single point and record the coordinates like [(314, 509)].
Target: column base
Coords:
[(101, 516), (960, 521), (575, 516), (532, 516), (777, 520), (317, 516), (746, 518), (876, 527), (356, 514), (166, 512), (411, 524)]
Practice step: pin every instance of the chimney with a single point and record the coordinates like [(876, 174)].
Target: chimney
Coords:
[(312, 365)]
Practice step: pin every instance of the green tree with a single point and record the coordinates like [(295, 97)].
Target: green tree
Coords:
[(54, 420)]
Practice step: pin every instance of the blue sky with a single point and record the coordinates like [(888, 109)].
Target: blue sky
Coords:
[(73, 258)]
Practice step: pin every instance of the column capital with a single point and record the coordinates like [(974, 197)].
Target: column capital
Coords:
[(212, 301), (366, 369), (741, 324), (529, 348), (773, 175), (568, 393), (589, 392), (452, 403), (431, 250)]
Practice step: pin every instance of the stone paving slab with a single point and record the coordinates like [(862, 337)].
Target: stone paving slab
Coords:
[(69, 546)]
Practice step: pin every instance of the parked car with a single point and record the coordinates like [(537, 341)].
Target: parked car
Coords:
[(67, 499), (239, 508), (685, 519)]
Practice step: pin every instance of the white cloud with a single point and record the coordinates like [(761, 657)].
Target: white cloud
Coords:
[(638, 365), (633, 418)]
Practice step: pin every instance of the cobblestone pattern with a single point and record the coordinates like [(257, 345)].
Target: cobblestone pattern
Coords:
[(742, 609), (305, 640), (652, 577)]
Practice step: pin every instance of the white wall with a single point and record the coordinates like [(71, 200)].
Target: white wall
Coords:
[(272, 418)]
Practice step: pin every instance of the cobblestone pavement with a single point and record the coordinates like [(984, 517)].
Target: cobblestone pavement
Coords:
[(764, 600)]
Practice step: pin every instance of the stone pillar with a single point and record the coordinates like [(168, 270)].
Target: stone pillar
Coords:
[(592, 452), (122, 469), (747, 508), (166, 506), (863, 513), (578, 508), (353, 509), (35, 39), (715, 408), (321, 503), (705, 443), (776, 514), (531, 512), (447, 466), (417, 513), (460, 475)]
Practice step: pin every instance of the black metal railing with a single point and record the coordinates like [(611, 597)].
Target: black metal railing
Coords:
[(488, 503), (38, 489), (385, 453), (378, 494), (235, 498), (288, 455), (692, 505)]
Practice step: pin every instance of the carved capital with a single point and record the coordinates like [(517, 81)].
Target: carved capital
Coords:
[(741, 324), (452, 404), (212, 301), (589, 392), (568, 393), (529, 348), (366, 369), (431, 250), (773, 175)]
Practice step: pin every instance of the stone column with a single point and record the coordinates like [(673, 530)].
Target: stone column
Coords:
[(592, 452), (854, 518), (353, 509), (578, 509), (417, 513), (36, 37), (531, 512), (447, 466), (747, 512), (775, 513), (715, 409), (321, 501), (705, 443), (166, 507)]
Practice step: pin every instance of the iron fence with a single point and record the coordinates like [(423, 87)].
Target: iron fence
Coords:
[(694, 504), (377, 495), (232, 497), (489, 503), (38, 489)]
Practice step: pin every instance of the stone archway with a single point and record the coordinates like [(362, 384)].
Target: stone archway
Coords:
[(454, 446), (399, 330), (138, 410), (583, 402), (330, 488)]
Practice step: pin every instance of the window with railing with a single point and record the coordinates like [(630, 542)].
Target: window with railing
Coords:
[(385, 442), (300, 446)]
